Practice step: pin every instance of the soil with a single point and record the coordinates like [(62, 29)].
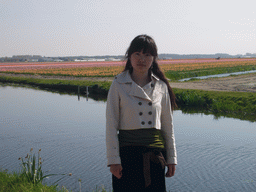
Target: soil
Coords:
[(242, 83)]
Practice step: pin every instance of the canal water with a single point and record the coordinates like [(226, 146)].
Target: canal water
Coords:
[(219, 75), (213, 154)]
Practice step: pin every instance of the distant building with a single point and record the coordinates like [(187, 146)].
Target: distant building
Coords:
[(80, 60), (57, 60), (45, 59), (93, 59), (33, 60), (112, 59)]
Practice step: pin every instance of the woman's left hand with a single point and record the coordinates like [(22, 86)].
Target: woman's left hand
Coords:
[(171, 170)]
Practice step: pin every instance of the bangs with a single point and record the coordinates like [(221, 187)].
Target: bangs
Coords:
[(142, 43)]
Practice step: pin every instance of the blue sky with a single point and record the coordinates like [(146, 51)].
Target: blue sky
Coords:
[(106, 27)]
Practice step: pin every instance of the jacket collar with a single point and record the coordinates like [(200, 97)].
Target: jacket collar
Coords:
[(136, 90)]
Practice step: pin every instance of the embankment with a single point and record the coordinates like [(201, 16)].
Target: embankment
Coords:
[(240, 105)]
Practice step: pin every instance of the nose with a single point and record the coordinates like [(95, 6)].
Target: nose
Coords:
[(142, 57)]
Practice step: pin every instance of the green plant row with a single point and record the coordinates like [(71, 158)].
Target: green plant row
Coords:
[(177, 75)]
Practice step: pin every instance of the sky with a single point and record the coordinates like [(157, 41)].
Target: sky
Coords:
[(106, 27)]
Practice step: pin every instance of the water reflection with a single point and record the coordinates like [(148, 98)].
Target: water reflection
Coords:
[(217, 115), (84, 92), (213, 155)]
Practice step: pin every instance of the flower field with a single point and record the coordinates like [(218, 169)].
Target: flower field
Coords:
[(206, 65), (108, 68)]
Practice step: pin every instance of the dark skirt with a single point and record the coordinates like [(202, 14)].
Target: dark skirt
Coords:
[(133, 173)]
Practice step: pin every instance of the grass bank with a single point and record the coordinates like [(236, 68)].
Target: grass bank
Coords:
[(17, 183), (96, 88), (241, 105)]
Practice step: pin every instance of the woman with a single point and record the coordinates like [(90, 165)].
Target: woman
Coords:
[(139, 130)]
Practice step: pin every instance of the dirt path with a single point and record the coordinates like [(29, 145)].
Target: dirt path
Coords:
[(244, 83)]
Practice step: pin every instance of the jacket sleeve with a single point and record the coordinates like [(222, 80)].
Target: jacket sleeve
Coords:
[(167, 129), (112, 125)]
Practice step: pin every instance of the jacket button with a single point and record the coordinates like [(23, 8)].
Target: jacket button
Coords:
[(140, 113), (143, 123), (152, 85), (150, 103), (150, 112), (140, 103), (149, 122)]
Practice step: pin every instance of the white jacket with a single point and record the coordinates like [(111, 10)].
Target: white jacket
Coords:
[(131, 107)]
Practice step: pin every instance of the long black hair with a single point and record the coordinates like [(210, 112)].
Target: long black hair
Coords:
[(148, 45)]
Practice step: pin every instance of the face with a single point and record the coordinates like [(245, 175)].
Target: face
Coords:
[(141, 62)]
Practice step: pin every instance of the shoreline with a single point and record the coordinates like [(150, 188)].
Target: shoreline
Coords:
[(238, 83)]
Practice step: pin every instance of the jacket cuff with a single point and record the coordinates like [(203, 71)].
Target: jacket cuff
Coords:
[(172, 160), (114, 160)]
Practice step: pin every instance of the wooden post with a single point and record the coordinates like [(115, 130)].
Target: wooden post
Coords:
[(87, 93), (78, 93)]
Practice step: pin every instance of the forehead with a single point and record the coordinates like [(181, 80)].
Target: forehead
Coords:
[(141, 51)]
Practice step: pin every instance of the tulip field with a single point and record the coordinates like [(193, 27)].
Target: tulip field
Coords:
[(109, 69)]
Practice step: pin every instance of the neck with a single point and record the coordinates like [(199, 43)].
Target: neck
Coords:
[(140, 78)]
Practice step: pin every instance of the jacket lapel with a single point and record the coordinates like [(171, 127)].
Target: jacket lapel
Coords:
[(137, 91), (157, 90)]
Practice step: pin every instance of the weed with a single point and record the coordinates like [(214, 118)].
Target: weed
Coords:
[(32, 168)]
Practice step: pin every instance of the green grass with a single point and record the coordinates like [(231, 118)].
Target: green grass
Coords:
[(64, 86), (53, 82), (177, 75), (241, 105), (15, 182)]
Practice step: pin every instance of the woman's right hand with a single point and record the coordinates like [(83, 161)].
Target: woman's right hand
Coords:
[(116, 170)]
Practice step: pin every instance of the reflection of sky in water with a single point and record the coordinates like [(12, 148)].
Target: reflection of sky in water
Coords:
[(213, 155)]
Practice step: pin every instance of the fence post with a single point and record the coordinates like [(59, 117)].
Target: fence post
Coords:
[(78, 93)]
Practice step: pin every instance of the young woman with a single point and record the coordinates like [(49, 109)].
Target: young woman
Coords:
[(139, 129)]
